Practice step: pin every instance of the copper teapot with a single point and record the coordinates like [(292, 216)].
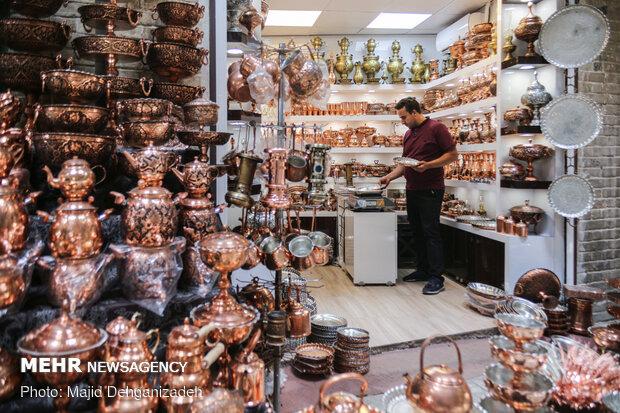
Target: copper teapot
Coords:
[(258, 296), (133, 348), (151, 163), (248, 374), (341, 401), (297, 316), (196, 177), (75, 180), (198, 217), (119, 326), (438, 388)]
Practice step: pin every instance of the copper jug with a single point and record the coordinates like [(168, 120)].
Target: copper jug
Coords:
[(297, 316), (438, 388), (304, 75), (248, 374)]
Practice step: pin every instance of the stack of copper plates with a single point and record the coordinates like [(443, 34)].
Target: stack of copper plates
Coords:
[(314, 359), (613, 298), (352, 351), (558, 321), (484, 298), (521, 306), (323, 328)]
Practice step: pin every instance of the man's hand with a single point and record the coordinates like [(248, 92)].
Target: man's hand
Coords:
[(420, 167), (384, 181)]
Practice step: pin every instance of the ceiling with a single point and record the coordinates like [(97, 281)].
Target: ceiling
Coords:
[(352, 16)]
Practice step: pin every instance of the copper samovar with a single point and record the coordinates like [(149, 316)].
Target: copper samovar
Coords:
[(371, 65), (316, 179), (417, 67), (277, 196), (344, 62)]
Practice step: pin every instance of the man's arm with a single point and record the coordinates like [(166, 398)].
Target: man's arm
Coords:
[(396, 173), (446, 159)]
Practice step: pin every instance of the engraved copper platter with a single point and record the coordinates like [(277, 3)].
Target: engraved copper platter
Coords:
[(571, 196), (55, 148), (534, 281), (571, 121), (22, 71), (97, 16), (574, 36), (37, 8), (32, 35), (178, 94)]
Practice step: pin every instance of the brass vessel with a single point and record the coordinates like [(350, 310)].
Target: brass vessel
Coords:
[(33, 35), (508, 47), (54, 148), (119, 326), (417, 67), (371, 65), (62, 338), (173, 13), (528, 30), (358, 77), (174, 61), (344, 61), (71, 118), (395, 66), (240, 196), (317, 44)]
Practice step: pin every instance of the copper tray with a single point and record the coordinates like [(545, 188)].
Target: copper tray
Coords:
[(535, 281), (468, 219), (314, 351), (489, 224), (404, 161), (486, 291)]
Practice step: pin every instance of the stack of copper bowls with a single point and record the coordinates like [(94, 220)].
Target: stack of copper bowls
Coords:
[(558, 320), (484, 298), (323, 328), (314, 359), (352, 350)]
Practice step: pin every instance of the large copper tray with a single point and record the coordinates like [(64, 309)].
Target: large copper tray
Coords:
[(535, 281)]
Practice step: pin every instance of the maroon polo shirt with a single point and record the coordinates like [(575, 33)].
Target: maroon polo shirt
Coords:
[(426, 142)]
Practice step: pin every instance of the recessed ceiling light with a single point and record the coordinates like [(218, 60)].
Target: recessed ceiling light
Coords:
[(450, 84), (235, 51), (371, 91), (450, 117), (397, 20), (299, 18), (409, 90), (527, 67)]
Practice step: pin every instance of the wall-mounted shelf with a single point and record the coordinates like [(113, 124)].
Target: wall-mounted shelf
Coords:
[(522, 130), (524, 62), (469, 109), (242, 115), (472, 147), (372, 150), (508, 183), (344, 118), (467, 184)]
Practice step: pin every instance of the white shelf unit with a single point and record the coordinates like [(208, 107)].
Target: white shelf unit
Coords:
[(372, 149)]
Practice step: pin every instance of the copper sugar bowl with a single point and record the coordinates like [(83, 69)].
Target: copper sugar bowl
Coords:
[(527, 213), (178, 34), (201, 112), (439, 388), (62, 338), (173, 13), (10, 377), (528, 30), (75, 180), (149, 217)]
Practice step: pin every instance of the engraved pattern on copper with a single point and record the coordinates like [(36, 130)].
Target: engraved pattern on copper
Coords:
[(125, 87), (31, 35), (55, 148), (140, 133), (23, 71), (198, 222), (144, 109), (74, 85), (38, 8), (13, 219), (178, 34), (174, 13), (175, 61), (96, 45), (178, 94), (72, 118), (98, 16)]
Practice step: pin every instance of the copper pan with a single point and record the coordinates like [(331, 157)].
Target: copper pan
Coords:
[(321, 243), (275, 255)]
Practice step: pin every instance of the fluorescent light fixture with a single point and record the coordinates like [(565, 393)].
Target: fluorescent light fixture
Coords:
[(235, 51), (396, 20), (478, 111), (298, 18), (371, 91), (449, 117), (462, 114), (526, 135), (409, 90), (450, 84), (334, 91), (527, 67)]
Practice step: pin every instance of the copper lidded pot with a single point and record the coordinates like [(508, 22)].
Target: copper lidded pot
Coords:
[(439, 388)]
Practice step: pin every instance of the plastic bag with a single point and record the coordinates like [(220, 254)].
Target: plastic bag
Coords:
[(261, 85), (149, 276), (80, 282), (199, 278), (321, 96)]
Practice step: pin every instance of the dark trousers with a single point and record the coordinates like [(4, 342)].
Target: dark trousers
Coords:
[(423, 209)]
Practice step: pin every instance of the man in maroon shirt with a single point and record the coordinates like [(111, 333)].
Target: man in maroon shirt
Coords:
[(429, 142)]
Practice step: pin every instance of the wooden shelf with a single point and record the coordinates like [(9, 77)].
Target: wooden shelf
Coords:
[(466, 110), (518, 62), (371, 150), (533, 130), (509, 183)]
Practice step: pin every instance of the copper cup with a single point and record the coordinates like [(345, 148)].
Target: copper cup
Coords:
[(321, 243), (275, 255), (580, 311), (301, 249)]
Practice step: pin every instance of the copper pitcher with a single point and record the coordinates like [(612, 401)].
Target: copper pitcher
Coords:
[(297, 316), (248, 374), (321, 243), (438, 388)]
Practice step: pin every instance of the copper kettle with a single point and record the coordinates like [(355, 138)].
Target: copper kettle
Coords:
[(297, 316), (341, 401), (258, 296), (438, 388), (248, 374)]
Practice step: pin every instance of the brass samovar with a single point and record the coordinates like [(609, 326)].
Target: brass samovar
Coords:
[(344, 62), (418, 66), (395, 67), (371, 65), (317, 44)]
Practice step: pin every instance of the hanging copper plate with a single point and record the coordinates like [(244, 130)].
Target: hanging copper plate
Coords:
[(535, 281)]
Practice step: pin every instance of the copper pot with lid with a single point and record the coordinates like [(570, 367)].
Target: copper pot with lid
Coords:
[(527, 213), (201, 112), (297, 316), (439, 388), (119, 326), (75, 180)]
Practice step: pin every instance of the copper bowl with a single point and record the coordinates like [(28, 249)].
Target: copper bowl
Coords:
[(224, 251), (125, 87), (175, 61), (54, 148), (178, 94), (97, 16), (511, 170), (534, 389), (120, 47), (37, 8), (144, 109), (72, 118), (140, 133), (607, 338), (174, 13), (528, 359), (522, 115), (518, 328), (482, 28), (178, 34), (32, 35), (201, 112), (22, 71), (74, 85), (199, 138)]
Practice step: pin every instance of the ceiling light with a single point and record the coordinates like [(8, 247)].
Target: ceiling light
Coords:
[(462, 114), (371, 91), (409, 90), (235, 51), (299, 18), (397, 20), (450, 84), (450, 117), (478, 111), (334, 91), (527, 67)]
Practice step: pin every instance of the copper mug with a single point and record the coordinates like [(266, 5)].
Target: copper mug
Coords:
[(297, 316), (321, 243), (296, 167), (275, 255), (301, 248)]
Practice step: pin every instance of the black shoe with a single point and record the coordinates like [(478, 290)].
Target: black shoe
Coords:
[(434, 286), (418, 275)]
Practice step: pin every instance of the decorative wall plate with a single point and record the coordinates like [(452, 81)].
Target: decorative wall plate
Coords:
[(571, 121), (574, 36), (571, 196)]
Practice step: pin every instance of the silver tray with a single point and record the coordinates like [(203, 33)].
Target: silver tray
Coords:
[(574, 36), (395, 400), (404, 161), (369, 190), (328, 320), (571, 121), (353, 333), (468, 219), (612, 401), (489, 224), (571, 196), (487, 291)]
